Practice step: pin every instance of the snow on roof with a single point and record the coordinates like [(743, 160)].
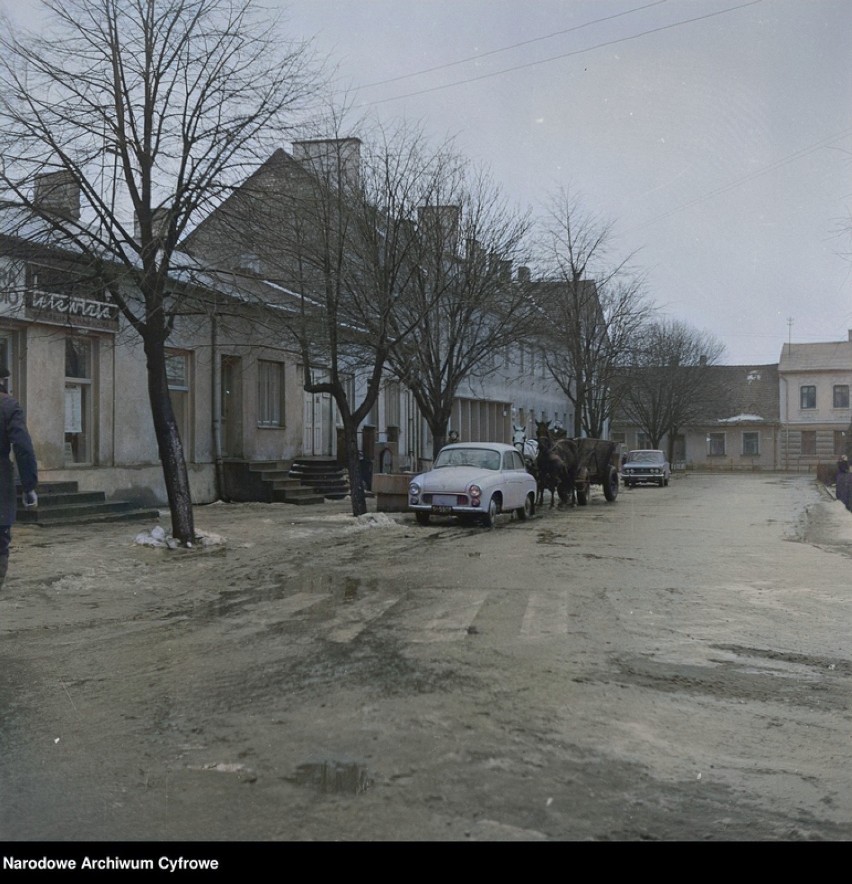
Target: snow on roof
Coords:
[(742, 419)]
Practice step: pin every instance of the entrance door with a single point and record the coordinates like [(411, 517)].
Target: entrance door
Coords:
[(79, 438), (232, 406), (318, 425)]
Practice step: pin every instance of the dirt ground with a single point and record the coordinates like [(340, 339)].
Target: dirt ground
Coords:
[(673, 666)]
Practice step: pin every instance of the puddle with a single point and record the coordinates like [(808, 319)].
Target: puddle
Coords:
[(334, 777)]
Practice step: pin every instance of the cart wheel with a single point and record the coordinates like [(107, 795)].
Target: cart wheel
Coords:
[(610, 486)]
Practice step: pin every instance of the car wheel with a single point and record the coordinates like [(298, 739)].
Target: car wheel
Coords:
[(611, 483), (422, 518), (528, 509), (491, 515), (662, 482)]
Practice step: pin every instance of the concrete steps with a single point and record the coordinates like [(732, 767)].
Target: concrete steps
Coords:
[(61, 503), (324, 475), (303, 481)]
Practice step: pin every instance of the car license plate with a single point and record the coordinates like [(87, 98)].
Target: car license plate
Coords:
[(444, 500), (442, 510)]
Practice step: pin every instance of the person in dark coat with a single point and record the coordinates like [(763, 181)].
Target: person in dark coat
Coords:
[(14, 436)]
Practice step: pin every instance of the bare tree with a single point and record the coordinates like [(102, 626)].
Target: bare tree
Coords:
[(463, 306), (150, 110), (360, 242), (333, 229), (591, 306), (669, 382)]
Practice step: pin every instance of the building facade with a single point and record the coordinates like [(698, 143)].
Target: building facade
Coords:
[(741, 431), (814, 383), (237, 388)]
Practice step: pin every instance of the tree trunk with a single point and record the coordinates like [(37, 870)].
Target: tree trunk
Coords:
[(579, 408), (169, 444), (671, 444), (353, 466), (438, 424)]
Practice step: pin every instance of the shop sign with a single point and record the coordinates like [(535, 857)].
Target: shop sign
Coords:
[(71, 310)]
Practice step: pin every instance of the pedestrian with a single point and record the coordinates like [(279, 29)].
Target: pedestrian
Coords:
[(14, 436)]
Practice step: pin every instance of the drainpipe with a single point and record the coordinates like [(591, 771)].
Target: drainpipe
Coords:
[(216, 404)]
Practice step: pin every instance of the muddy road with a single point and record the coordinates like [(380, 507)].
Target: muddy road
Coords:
[(677, 665)]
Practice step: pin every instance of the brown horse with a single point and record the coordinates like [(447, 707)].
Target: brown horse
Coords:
[(557, 469)]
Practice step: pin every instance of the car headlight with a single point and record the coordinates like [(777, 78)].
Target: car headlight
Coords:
[(475, 495), (414, 489)]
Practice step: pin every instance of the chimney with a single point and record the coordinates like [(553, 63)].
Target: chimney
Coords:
[(502, 268), (58, 193), (850, 335), (336, 160), (524, 277)]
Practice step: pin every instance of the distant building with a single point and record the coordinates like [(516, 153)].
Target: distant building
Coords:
[(814, 382), (740, 431)]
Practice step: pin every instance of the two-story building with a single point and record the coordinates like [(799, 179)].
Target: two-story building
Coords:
[(814, 382)]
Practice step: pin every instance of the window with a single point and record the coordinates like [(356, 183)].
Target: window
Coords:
[(270, 394), (6, 360), (751, 444), (715, 444), (391, 404), (841, 396), (807, 397), (78, 400), (808, 442), (643, 440), (177, 375)]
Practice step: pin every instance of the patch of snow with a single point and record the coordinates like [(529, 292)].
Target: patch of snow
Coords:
[(159, 539), (375, 520)]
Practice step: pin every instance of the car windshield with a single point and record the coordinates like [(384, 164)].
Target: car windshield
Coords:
[(482, 458), (645, 457)]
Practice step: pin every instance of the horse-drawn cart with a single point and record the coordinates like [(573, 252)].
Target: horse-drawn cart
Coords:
[(597, 464)]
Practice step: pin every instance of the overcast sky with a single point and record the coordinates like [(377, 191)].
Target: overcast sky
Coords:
[(715, 134)]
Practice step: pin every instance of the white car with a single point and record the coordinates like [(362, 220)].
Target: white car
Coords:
[(474, 480)]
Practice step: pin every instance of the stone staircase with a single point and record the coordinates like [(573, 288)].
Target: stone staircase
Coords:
[(62, 503), (323, 474), (305, 480)]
